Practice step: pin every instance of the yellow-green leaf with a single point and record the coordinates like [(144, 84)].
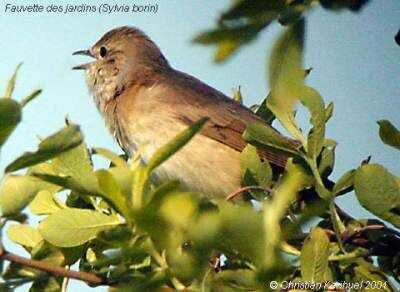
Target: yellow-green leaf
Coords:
[(11, 82), (389, 134), (16, 192), (112, 192), (77, 166), (73, 227), (286, 77), (379, 192), (45, 203), (24, 235), (314, 256)]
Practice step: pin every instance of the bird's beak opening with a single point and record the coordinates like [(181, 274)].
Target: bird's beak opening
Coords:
[(83, 53)]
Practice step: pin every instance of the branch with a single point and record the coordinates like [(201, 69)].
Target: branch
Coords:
[(53, 270), (245, 189)]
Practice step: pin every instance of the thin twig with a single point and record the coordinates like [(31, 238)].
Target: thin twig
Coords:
[(65, 282), (245, 189), (53, 270)]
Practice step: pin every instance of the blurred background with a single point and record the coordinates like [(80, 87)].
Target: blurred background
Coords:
[(355, 60)]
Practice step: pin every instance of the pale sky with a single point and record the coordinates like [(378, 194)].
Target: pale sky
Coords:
[(355, 59)]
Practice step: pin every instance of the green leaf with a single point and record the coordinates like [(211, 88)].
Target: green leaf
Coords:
[(250, 162), (123, 176), (62, 141), (77, 166), (313, 101), (286, 77), (171, 147), (264, 112), (344, 184), (329, 112), (238, 34), (389, 134), (379, 192), (326, 161), (44, 168), (241, 229), (253, 8), (45, 203), (112, 192), (10, 116), (11, 83), (238, 280), (229, 38), (294, 179), (225, 49), (48, 253), (354, 6), (314, 256), (397, 38), (24, 235), (365, 271), (73, 227), (266, 138), (67, 183), (46, 284), (16, 192), (18, 271), (237, 95), (114, 158), (30, 97), (156, 196), (184, 202)]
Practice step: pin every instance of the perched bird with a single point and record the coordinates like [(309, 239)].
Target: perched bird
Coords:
[(144, 100)]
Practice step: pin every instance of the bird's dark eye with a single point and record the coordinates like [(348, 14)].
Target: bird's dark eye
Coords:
[(103, 52)]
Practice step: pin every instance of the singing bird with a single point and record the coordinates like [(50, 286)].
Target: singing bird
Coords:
[(145, 101)]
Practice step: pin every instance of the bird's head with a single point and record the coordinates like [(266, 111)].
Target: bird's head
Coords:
[(123, 57)]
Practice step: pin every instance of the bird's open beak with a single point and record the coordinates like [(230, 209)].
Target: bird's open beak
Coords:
[(84, 53)]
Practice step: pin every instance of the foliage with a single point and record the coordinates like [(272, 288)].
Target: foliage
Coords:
[(115, 223), (245, 19)]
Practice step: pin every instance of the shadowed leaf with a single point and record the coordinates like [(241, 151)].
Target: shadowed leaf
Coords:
[(389, 134), (345, 183), (10, 116), (268, 139)]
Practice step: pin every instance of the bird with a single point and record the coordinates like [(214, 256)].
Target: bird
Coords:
[(145, 101)]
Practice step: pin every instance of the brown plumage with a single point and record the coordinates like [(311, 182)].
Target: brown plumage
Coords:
[(145, 101)]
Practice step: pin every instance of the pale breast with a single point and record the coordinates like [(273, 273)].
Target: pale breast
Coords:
[(203, 165)]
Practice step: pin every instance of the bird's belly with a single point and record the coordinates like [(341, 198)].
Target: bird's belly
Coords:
[(203, 165)]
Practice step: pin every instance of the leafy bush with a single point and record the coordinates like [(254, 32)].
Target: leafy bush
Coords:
[(125, 232)]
